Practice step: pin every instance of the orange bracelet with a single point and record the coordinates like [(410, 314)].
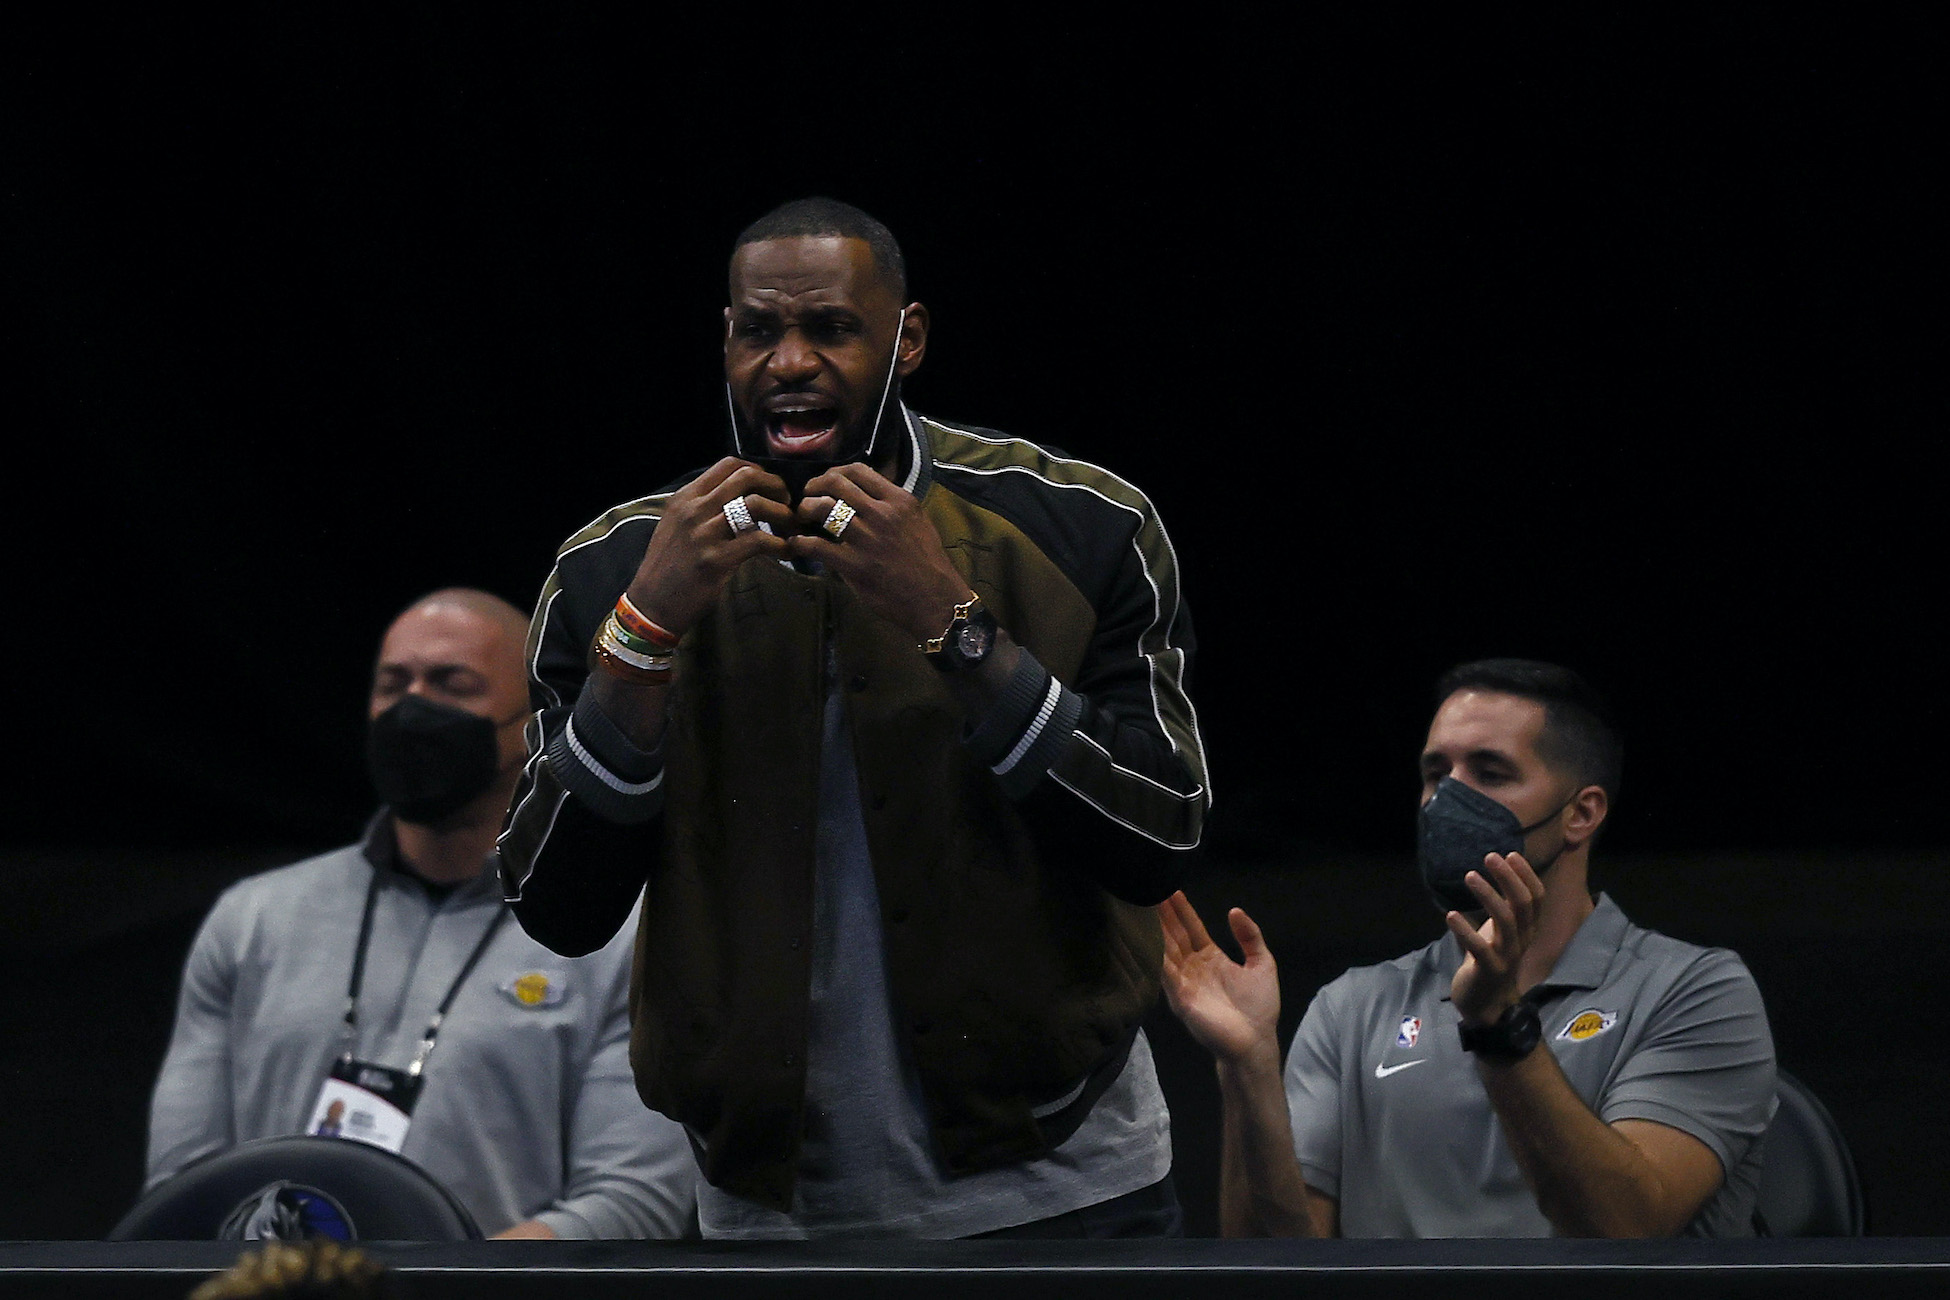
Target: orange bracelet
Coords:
[(636, 624)]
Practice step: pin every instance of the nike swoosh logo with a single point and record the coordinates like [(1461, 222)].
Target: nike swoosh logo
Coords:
[(1383, 1071)]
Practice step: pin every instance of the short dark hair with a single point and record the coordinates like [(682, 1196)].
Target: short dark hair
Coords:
[(1579, 735), (823, 216)]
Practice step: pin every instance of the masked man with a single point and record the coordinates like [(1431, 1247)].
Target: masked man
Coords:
[(377, 993), (889, 716), (1545, 1067)]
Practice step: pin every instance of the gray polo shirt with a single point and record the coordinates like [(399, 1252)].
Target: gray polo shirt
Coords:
[(529, 1108), (1390, 1117)]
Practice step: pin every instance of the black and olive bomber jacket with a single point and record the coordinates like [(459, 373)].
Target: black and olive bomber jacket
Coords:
[(1016, 859)]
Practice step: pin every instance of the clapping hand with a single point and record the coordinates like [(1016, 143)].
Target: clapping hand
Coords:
[(1233, 1009), (1486, 982)]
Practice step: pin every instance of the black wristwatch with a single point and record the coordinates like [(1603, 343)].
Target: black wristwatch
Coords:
[(1510, 1037), (969, 638)]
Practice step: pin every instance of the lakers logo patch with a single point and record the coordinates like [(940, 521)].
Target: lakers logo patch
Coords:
[(1587, 1024), (536, 988)]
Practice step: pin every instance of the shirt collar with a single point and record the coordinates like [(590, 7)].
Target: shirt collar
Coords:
[(1582, 964), (381, 849), (1586, 959)]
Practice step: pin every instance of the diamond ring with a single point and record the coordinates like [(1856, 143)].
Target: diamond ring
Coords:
[(837, 519)]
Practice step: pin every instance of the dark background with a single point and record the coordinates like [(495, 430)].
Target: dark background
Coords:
[(1607, 339)]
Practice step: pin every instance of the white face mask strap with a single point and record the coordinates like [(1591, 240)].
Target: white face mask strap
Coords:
[(886, 388), (873, 436), (737, 432), (731, 408)]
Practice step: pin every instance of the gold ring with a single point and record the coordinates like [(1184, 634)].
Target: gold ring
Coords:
[(837, 519)]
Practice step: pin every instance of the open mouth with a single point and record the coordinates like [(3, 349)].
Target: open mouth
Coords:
[(802, 427)]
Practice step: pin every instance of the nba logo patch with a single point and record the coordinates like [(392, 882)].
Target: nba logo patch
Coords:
[(1410, 1031)]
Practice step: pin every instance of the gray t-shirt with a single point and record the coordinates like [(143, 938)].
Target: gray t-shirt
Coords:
[(528, 1109), (1390, 1117), (867, 1164)]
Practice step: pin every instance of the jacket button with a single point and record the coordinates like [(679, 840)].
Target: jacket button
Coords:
[(790, 1060), (857, 684), (793, 944)]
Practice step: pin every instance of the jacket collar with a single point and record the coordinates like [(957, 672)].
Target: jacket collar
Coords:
[(915, 469)]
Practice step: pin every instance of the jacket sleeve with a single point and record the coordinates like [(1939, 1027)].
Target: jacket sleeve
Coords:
[(190, 1113), (630, 1173), (1110, 767), (579, 841)]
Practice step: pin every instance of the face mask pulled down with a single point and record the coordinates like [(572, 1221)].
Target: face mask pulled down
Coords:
[(748, 441), (430, 760), (1457, 828)]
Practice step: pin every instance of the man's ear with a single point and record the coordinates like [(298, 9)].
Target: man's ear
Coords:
[(914, 340), (1588, 809)]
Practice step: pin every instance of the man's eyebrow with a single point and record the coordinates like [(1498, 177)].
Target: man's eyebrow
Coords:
[(1433, 758), (431, 670)]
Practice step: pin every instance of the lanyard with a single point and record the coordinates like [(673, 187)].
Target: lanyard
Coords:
[(359, 974)]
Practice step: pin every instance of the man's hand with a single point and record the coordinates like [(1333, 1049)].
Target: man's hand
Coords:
[(1233, 1010), (694, 551), (889, 553), (1486, 982)]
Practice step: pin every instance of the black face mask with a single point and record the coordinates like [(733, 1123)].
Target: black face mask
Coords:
[(428, 760), (1457, 828)]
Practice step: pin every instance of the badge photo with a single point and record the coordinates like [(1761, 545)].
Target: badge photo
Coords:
[(365, 1102)]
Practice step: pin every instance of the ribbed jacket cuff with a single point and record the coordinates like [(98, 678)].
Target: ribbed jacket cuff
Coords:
[(602, 768), (1026, 727)]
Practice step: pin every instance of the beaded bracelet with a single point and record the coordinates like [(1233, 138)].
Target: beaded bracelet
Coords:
[(632, 620)]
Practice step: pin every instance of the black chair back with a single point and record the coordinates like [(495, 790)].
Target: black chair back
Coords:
[(1808, 1184)]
